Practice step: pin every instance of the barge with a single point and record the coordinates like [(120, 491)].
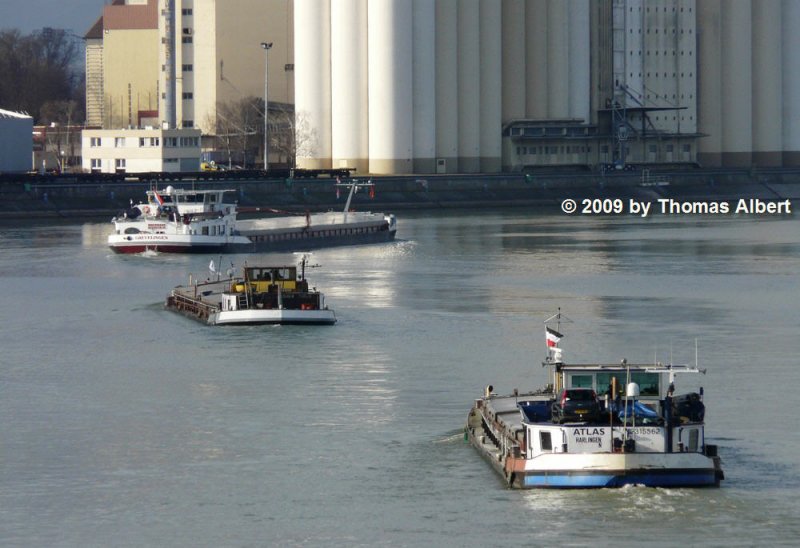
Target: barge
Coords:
[(584, 431), (175, 220), (261, 295)]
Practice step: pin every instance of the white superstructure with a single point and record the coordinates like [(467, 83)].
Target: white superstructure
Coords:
[(177, 220)]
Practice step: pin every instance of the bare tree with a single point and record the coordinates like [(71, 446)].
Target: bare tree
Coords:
[(237, 122), (62, 138), (291, 135), (62, 111), (240, 131), (39, 68)]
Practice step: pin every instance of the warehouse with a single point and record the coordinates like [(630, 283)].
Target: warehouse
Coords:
[(16, 142)]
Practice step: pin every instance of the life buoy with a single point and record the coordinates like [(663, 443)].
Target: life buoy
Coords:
[(146, 210)]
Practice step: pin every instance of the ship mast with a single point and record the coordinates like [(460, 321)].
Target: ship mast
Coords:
[(354, 186)]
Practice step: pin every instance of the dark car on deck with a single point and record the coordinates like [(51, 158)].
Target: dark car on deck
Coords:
[(576, 405)]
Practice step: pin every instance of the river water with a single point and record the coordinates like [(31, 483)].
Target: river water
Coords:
[(122, 424)]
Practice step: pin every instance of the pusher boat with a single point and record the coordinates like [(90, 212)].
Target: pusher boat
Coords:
[(261, 295)]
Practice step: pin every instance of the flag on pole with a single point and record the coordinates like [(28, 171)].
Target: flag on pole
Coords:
[(552, 337), (158, 198), (211, 266)]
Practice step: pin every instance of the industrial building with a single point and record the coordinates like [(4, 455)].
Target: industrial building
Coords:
[(16, 142), (468, 86), (476, 85), (122, 70), (215, 57)]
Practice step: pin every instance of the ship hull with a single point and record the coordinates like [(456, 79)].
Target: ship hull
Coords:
[(593, 471), (275, 317), (265, 241)]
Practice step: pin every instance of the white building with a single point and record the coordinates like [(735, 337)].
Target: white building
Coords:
[(16, 141), (140, 150), (217, 56)]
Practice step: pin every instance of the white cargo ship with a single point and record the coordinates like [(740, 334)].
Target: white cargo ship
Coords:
[(177, 220)]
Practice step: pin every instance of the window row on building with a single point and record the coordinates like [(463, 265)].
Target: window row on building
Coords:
[(169, 142)]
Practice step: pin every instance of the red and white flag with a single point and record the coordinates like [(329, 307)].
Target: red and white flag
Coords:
[(552, 337)]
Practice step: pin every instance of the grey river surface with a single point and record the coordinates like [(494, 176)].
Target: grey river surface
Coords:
[(122, 424)]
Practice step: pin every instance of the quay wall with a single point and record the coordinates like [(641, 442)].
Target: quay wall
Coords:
[(69, 197)]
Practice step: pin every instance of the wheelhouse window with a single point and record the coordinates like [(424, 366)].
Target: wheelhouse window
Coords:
[(648, 383), (581, 381), (190, 198)]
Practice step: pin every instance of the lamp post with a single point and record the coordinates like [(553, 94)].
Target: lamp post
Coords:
[(266, 46)]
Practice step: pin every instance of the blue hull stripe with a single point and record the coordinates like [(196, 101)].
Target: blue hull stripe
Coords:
[(598, 479)]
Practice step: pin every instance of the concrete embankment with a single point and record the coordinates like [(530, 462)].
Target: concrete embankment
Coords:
[(71, 198)]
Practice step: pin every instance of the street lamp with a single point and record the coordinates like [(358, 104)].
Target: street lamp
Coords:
[(266, 46)]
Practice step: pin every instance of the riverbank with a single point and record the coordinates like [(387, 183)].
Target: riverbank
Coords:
[(65, 197)]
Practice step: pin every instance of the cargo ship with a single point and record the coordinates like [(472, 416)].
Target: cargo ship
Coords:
[(175, 220), (261, 295), (597, 425)]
